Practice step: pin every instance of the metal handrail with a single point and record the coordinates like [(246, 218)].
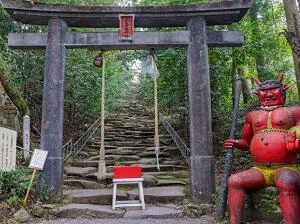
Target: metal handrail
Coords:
[(67, 149), (185, 151), (70, 149)]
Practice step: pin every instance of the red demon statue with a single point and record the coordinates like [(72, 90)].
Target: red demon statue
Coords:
[(273, 147)]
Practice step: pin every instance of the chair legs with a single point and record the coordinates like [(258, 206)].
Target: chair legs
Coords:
[(114, 196), (141, 194), (129, 203)]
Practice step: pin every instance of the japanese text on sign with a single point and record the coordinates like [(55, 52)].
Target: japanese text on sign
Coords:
[(126, 27), (8, 141), (38, 159)]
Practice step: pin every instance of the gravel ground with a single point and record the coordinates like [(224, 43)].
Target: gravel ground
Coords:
[(202, 220)]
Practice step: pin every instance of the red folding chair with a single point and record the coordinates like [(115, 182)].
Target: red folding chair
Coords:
[(128, 175)]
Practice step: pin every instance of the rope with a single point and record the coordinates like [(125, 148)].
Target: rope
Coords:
[(156, 136), (102, 165), (102, 155)]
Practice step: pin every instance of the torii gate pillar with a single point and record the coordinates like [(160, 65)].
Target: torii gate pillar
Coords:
[(53, 103), (202, 168)]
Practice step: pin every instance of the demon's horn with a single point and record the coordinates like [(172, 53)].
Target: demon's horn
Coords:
[(280, 77), (257, 81)]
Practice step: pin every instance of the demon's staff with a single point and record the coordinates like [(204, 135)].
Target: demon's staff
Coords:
[(224, 190)]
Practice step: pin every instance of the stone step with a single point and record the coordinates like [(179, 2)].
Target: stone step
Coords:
[(115, 157), (151, 154), (169, 149), (104, 196), (109, 177), (83, 184), (109, 164), (91, 211), (121, 152), (149, 161), (184, 173), (161, 194), (85, 163), (173, 162), (154, 212), (83, 154), (143, 133), (165, 182), (163, 168), (79, 171), (93, 146), (97, 196), (139, 148), (88, 154), (131, 144), (129, 138), (88, 211)]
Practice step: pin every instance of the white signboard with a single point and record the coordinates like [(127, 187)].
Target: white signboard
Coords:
[(8, 143), (38, 159)]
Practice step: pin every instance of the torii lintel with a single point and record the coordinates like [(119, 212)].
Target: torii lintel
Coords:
[(142, 40)]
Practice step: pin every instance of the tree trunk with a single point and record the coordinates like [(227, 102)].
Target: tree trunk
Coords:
[(234, 72), (12, 91), (293, 22), (245, 85)]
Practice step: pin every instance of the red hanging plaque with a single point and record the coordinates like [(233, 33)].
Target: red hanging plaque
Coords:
[(126, 27)]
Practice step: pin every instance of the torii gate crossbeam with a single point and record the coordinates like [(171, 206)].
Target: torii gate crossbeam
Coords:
[(197, 38)]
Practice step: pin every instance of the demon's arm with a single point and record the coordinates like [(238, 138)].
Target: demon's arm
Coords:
[(247, 134), (293, 144)]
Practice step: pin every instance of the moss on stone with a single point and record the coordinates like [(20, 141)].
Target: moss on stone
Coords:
[(11, 90)]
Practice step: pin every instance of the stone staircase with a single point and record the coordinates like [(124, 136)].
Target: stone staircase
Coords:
[(129, 133)]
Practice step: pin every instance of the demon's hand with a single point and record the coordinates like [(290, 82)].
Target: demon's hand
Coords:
[(293, 144), (230, 143)]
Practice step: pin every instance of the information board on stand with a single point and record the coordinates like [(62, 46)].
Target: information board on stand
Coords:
[(37, 162)]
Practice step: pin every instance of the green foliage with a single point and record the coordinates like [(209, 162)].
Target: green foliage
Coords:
[(83, 86), (172, 88), (192, 212), (3, 66), (44, 190), (14, 184), (6, 26), (224, 221), (81, 2), (173, 2)]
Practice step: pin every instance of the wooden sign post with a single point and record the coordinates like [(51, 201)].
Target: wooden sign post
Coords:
[(126, 26), (37, 162)]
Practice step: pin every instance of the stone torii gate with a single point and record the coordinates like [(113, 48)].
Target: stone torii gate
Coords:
[(197, 39)]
